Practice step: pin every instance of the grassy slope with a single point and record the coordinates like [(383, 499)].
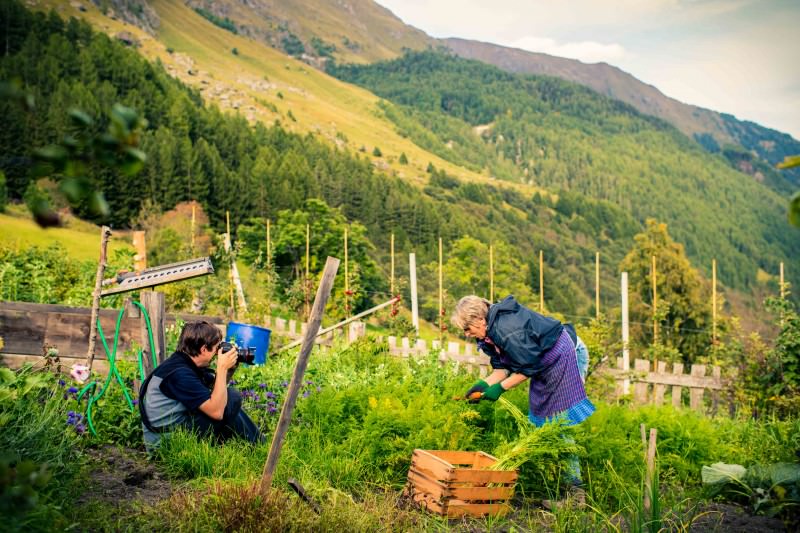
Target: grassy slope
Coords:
[(80, 239), (253, 78)]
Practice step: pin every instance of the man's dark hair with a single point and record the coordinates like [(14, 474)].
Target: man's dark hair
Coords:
[(195, 335)]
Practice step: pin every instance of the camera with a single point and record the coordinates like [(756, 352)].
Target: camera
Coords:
[(243, 355)]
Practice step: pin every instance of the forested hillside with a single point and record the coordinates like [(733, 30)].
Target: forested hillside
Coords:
[(565, 137), (197, 152)]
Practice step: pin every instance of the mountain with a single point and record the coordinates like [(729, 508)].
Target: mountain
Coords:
[(711, 129), (361, 31)]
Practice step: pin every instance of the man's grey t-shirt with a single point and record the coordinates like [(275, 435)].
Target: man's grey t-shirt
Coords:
[(176, 390)]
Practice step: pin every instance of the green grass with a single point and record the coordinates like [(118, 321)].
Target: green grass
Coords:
[(82, 240)]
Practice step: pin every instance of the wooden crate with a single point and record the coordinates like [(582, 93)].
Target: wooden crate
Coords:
[(456, 483)]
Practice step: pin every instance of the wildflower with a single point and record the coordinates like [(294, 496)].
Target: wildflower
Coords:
[(284, 383), (262, 385), (271, 410), (231, 383), (306, 393), (80, 429), (309, 382), (135, 401), (61, 382), (255, 397), (270, 395), (72, 390)]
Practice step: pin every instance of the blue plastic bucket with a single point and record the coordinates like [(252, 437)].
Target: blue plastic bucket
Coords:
[(248, 336)]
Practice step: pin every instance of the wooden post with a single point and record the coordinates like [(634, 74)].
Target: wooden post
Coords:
[(269, 247), (441, 292), (782, 287), (194, 207), (491, 273), (626, 355), (153, 303), (139, 244), (782, 290), (346, 278), (234, 274), (713, 303), (105, 234), (650, 470), (228, 249), (655, 304), (541, 281), (308, 271), (391, 275), (323, 293), (597, 286), (412, 273)]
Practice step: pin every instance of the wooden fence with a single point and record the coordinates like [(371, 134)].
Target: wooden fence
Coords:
[(651, 381), (28, 329)]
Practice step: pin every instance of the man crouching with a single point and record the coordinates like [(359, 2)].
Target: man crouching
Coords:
[(183, 391)]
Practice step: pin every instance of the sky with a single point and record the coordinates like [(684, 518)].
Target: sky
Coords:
[(734, 56)]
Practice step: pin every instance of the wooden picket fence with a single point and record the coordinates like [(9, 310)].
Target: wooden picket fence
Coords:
[(650, 381)]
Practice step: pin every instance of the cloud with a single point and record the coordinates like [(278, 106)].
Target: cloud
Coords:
[(586, 51)]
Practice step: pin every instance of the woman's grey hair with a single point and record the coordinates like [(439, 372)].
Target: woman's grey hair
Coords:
[(468, 310)]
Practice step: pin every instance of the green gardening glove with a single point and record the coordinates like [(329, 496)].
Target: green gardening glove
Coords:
[(479, 386), (493, 392)]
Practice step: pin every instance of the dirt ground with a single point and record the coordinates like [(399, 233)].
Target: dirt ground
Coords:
[(727, 518), (124, 476)]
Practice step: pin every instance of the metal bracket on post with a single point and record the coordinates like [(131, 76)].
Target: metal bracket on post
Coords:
[(152, 277)]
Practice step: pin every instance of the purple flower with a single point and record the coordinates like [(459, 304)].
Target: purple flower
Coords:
[(255, 397), (72, 390), (270, 395), (306, 393), (271, 404), (309, 382), (271, 410), (284, 383), (61, 382), (80, 429), (231, 383), (135, 401), (262, 385)]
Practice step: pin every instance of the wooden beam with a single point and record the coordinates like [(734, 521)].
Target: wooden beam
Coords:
[(105, 233), (323, 293)]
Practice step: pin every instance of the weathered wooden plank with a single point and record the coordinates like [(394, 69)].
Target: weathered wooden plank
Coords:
[(22, 331), (500, 493), (424, 484), (455, 457), (677, 391), (659, 388), (640, 387), (696, 393), (473, 475), (681, 380), (456, 509), (439, 468)]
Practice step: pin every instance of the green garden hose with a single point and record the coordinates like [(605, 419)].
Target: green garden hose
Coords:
[(111, 355)]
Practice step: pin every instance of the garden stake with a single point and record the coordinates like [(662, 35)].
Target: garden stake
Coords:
[(105, 233), (650, 466), (323, 293)]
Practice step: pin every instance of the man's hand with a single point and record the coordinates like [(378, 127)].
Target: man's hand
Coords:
[(227, 360)]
